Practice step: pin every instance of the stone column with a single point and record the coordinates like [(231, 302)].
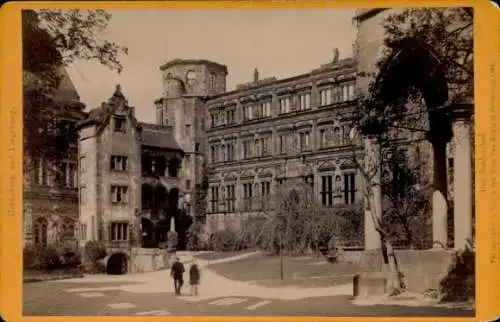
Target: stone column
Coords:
[(462, 179), (439, 196), (373, 206)]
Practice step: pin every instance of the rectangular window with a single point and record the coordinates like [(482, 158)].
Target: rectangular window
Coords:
[(214, 205), (323, 142), (159, 115), (119, 124), (265, 143), (119, 231), (214, 200), (60, 173), (304, 141), (327, 191), (247, 148), (119, 194), (231, 198), (41, 173), (349, 188), (230, 116), (188, 184), (212, 120), (119, 163), (351, 92), (284, 105), (248, 113), (325, 96), (265, 194), (211, 82), (348, 93), (337, 94), (282, 148), (305, 101), (265, 109), (247, 196)]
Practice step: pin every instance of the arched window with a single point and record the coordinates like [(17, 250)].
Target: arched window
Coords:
[(40, 232)]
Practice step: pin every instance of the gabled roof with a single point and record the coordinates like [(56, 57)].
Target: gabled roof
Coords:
[(100, 116), (150, 135), (66, 90)]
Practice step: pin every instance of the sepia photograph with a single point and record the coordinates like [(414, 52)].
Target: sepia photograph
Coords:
[(249, 162)]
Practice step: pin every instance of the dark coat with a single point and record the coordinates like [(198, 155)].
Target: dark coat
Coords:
[(194, 275), (177, 270)]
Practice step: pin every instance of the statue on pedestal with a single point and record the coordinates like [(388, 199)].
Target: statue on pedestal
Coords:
[(336, 55), (172, 224)]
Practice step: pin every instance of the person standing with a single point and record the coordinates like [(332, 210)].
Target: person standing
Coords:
[(194, 278), (177, 273)]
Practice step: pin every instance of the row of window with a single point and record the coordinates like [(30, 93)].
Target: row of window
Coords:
[(263, 146), (261, 110), (257, 196), (63, 173), (66, 231)]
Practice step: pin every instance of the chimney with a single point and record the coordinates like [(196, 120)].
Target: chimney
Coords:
[(255, 75)]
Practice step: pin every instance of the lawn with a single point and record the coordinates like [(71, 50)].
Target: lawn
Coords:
[(219, 255), (264, 266)]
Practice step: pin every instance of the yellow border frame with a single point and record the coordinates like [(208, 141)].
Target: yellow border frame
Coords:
[(487, 68)]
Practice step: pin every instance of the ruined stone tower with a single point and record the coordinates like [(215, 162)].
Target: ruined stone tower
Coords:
[(187, 84)]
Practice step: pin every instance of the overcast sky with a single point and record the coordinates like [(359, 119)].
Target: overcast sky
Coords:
[(279, 43)]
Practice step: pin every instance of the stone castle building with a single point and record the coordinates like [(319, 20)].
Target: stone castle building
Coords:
[(259, 135), (129, 184), (50, 213)]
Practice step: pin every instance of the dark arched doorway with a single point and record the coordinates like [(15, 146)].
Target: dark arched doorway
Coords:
[(117, 264), (147, 233)]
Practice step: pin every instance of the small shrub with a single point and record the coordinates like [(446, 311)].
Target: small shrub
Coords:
[(195, 237), (459, 284), (30, 256), (94, 252), (172, 240), (225, 240)]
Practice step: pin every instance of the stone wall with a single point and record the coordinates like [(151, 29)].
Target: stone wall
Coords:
[(422, 269), (148, 260)]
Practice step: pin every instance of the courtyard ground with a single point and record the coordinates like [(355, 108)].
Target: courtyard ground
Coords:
[(152, 294)]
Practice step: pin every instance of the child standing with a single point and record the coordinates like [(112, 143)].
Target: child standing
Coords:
[(194, 278)]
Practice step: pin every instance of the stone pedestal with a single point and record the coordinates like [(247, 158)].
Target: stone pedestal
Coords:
[(373, 206), (439, 196), (462, 184)]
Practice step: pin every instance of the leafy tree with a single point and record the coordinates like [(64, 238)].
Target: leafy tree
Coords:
[(406, 198), (299, 223), (399, 110), (201, 195), (53, 39)]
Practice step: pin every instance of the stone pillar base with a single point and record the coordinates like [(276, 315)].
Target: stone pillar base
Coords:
[(370, 284), (371, 261)]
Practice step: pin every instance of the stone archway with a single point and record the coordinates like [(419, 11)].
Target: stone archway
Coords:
[(117, 264), (413, 64)]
